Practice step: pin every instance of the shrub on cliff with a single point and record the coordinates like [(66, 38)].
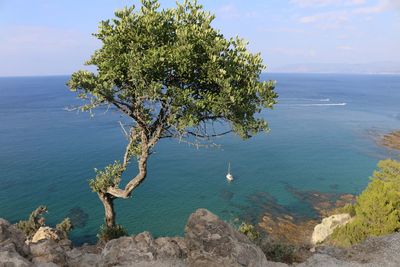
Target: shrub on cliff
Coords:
[(65, 227), (274, 250), (108, 233), (278, 251), (249, 230), (377, 210), (36, 220)]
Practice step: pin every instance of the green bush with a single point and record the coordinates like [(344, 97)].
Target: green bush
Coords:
[(273, 250), (108, 233), (249, 230), (65, 227), (377, 209), (348, 208), (278, 251), (34, 222)]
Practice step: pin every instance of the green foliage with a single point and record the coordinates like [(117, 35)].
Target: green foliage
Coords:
[(173, 76), (109, 177), (249, 230), (274, 250), (377, 210), (65, 227), (108, 233), (174, 60), (350, 234), (34, 222), (348, 208), (278, 251)]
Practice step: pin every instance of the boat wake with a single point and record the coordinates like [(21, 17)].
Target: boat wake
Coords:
[(330, 104), (314, 105), (307, 99)]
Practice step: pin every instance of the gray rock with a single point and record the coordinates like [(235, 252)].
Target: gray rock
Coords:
[(374, 252), (208, 242), (12, 239), (143, 250), (13, 259), (212, 242), (81, 258), (48, 251), (170, 247), (321, 260)]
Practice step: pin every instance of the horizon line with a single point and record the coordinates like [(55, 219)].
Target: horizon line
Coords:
[(267, 72)]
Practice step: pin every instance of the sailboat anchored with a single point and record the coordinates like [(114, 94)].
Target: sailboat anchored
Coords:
[(229, 176)]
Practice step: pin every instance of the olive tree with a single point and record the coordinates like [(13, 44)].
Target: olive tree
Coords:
[(173, 76)]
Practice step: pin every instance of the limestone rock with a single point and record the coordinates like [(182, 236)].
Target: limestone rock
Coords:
[(208, 242), (322, 260), (46, 233), (326, 227), (170, 247), (49, 251), (143, 250), (212, 242), (375, 251), (13, 259), (81, 258), (12, 239)]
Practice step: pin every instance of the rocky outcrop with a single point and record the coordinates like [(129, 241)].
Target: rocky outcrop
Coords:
[(46, 233), (326, 227), (8, 258), (13, 250), (375, 251), (50, 251), (208, 242), (142, 249), (212, 242)]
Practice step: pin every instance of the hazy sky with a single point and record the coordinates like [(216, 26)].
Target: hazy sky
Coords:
[(48, 37)]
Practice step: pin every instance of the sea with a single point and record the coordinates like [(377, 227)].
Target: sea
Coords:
[(322, 138)]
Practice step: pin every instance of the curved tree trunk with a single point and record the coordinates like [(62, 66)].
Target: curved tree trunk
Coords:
[(114, 192), (108, 203)]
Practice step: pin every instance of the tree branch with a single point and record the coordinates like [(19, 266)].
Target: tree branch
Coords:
[(208, 136), (147, 144)]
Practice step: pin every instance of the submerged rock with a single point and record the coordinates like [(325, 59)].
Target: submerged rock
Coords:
[(288, 230), (326, 227), (391, 140), (78, 217)]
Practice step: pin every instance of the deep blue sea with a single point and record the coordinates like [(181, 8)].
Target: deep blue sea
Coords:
[(319, 140)]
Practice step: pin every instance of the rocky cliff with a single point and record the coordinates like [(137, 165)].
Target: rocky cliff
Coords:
[(208, 242)]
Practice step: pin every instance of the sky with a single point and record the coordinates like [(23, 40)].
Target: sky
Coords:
[(53, 37)]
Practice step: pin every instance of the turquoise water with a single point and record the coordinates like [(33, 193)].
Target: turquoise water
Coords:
[(318, 141)]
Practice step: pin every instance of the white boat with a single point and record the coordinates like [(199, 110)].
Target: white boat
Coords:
[(229, 176)]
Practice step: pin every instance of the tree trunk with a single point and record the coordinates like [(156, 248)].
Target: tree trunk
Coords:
[(108, 203)]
